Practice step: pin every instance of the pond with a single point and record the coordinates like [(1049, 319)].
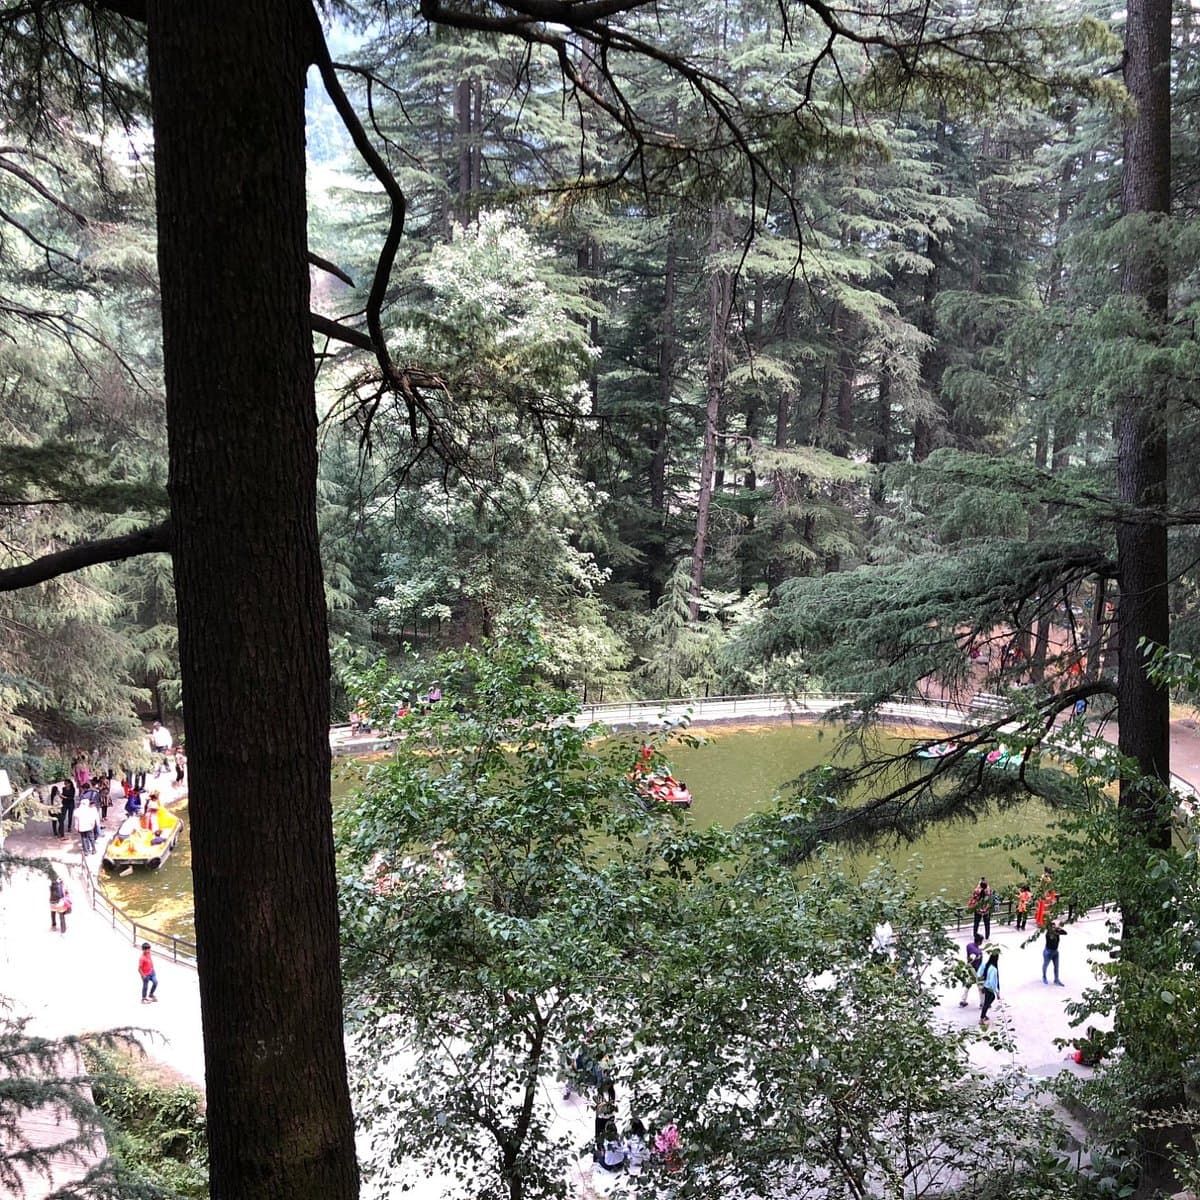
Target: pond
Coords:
[(737, 771), (740, 769)]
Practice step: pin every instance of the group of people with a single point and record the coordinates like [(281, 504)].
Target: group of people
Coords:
[(983, 959), (86, 810), (614, 1150), (984, 901), (362, 721), (629, 1152), (81, 802)]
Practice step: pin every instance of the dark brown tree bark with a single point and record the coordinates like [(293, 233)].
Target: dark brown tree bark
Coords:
[(1142, 572), (933, 364), (1141, 421), (847, 331), (228, 106), (1096, 632), (667, 353)]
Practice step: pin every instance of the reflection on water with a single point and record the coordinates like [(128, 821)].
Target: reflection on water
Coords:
[(736, 772)]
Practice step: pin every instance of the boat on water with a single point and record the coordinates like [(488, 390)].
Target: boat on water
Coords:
[(937, 750), (144, 840), (664, 788), (999, 756)]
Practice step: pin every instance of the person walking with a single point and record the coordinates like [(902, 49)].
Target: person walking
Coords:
[(149, 975), (80, 771), (989, 984), (980, 904), (974, 961), (1024, 897), (86, 821), (60, 905), (1052, 933), (54, 806), (160, 743), (180, 766), (68, 806)]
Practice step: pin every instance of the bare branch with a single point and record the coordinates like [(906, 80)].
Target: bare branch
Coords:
[(340, 333), (155, 539), (331, 268)]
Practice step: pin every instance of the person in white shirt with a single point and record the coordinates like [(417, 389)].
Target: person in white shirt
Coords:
[(161, 742), (85, 821)]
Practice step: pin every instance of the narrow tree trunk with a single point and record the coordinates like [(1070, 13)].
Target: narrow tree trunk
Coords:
[(462, 131), (844, 434), (666, 385), (1041, 645), (252, 635), (720, 301), (477, 139), (933, 361), (1096, 631), (820, 433)]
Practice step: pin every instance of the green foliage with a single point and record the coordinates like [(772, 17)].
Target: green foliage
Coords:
[(47, 1077), (879, 630), (509, 898), (477, 897), (155, 1130)]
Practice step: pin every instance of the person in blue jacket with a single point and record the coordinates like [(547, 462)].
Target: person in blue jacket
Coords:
[(989, 984)]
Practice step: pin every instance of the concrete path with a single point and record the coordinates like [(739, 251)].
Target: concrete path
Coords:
[(85, 980)]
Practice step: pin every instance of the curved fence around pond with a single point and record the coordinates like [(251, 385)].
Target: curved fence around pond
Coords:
[(181, 950)]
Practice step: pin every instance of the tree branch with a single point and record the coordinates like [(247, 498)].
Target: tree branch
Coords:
[(154, 539), (332, 268), (131, 10), (340, 333)]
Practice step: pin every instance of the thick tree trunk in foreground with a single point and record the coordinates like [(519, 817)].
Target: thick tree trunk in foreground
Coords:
[(1143, 706), (228, 101), (1141, 421)]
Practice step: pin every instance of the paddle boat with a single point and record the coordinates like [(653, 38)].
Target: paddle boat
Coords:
[(664, 788), (143, 840), (937, 750), (998, 756)]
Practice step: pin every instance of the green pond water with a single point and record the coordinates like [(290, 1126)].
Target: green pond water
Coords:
[(736, 772)]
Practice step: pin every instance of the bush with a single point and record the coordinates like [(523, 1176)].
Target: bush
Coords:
[(156, 1129)]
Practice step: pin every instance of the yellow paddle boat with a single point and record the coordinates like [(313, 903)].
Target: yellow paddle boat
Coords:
[(144, 840)]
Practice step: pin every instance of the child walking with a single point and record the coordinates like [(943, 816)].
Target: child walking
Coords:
[(149, 975)]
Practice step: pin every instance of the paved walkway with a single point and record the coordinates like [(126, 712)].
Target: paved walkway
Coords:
[(87, 979)]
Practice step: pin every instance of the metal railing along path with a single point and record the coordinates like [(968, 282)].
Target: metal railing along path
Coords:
[(181, 950)]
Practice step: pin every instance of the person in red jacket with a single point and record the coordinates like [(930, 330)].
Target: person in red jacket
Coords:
[(149, 975)]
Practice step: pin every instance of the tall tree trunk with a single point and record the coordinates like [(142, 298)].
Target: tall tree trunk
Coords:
[(1096, 631), (666, 384), (933, 361), (1141, 420), (784, 405), (462, 132), (1144, 617), (252, 635), (720, 302), (820, 432), (847, 330)]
